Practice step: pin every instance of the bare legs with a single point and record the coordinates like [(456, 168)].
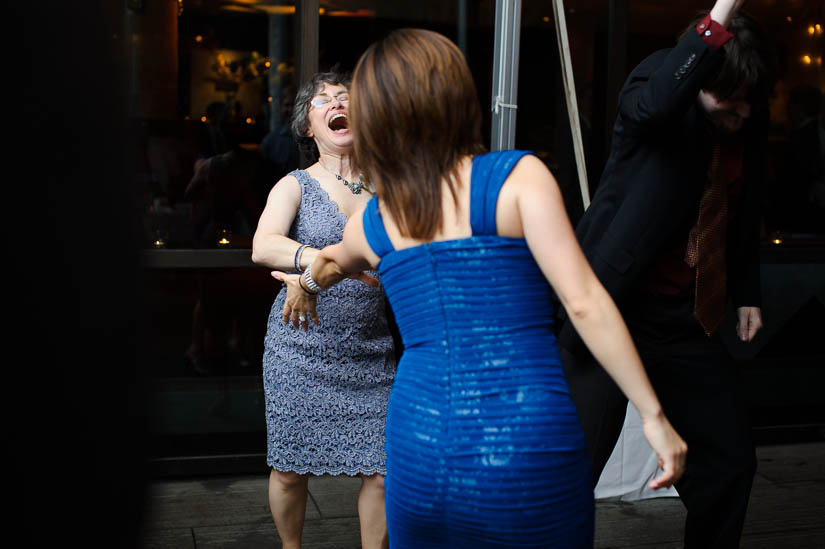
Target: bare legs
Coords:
[(288, 502), (371, 513)]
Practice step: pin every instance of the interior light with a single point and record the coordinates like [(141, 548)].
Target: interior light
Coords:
[(806, 59), (321, 11), (811, 30), (199, 38), (352, 13), (789, 19), (203, 119), (546, 19)]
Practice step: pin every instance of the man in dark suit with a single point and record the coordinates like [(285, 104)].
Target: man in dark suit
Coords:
[(672, 233)]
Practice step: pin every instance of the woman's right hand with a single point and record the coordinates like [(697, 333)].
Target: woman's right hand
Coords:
[(299, 305), (670, 449)]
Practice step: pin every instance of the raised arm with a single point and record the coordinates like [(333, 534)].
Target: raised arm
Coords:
[(664, 86), (550, 237), (723, 10)]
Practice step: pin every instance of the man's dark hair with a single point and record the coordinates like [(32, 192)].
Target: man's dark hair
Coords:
[(750, 60)]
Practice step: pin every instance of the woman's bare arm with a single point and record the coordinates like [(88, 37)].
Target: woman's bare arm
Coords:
[(595, 316), (271, 247), (347, 258)]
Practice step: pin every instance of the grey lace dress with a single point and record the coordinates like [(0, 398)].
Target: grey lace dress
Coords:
[(326, 389)]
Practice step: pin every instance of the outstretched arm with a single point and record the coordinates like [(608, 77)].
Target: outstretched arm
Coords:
[(346, 259), (553, 244)]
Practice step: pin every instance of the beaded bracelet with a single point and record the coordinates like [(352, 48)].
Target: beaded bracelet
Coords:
[(311, 286), (297, 259)]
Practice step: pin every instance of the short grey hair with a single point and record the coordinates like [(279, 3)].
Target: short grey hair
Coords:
[(300, 113)]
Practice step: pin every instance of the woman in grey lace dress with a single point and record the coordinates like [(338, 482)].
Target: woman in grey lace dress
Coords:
[(326, 391)]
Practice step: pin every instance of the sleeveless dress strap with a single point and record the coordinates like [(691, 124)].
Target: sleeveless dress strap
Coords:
[(374, 229), (487, 176)]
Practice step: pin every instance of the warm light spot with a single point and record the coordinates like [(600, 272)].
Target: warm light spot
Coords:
[(819, 60), (223, 242), (249, 121), (777, 241), (203, 119), (546, 19), (278, 10), (818, 29), (267, 64), (811, 30), (789, 19), (321, 11), (199, 38), (806, 59), (352, 13), (269, 99)]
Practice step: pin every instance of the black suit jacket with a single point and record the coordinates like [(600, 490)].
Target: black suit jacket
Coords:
[(655, 174)]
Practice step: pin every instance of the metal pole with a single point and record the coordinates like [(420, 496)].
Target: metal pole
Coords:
[(308, 21), (462, 27), (505, 74), (570, 96)]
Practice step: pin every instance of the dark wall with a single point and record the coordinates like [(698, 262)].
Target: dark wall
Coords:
[(76, 406)]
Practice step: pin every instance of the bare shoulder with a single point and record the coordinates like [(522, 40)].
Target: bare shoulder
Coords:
[(530, 170), (529, 178), (288, 183), (287, 188)]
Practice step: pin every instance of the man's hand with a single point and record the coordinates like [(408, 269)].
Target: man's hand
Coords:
[(750, 322), (724, 10)]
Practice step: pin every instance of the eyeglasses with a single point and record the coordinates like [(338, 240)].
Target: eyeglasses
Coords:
[(323, 99)]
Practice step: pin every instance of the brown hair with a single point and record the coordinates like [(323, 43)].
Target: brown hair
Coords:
[(750, 60), (414, 114)]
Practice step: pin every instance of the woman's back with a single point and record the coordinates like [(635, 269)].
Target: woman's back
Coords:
[(481, 388)]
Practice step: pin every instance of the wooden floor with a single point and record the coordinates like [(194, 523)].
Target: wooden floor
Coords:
[(787, 509)]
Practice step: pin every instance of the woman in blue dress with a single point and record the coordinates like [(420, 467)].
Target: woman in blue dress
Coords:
[(484, 447)]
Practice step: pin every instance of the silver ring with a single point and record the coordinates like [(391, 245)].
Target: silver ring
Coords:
[(302, 318)]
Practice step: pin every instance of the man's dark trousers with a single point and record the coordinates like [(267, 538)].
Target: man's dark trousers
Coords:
[(698, 387)]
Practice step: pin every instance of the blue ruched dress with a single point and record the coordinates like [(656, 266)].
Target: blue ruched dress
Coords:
[(484, 446)]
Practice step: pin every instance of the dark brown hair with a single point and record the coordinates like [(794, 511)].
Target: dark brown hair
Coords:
[(414, 114), (750, 60)]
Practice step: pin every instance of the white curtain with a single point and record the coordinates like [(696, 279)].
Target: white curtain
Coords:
[(631, 465)]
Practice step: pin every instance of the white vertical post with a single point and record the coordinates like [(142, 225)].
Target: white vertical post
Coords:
[(570, 96), (505, 74)]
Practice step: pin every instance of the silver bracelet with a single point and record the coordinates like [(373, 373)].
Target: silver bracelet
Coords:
[(298, 253), (311, 286)]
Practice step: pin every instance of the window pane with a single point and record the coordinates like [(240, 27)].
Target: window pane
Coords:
[(212, 91)]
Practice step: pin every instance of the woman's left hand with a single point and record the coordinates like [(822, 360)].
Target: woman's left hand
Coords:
[(299, 306)]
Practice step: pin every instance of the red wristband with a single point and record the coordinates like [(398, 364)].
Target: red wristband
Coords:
[(714, 34)]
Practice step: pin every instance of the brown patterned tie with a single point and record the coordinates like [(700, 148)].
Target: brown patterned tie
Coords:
[(706, 249)]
